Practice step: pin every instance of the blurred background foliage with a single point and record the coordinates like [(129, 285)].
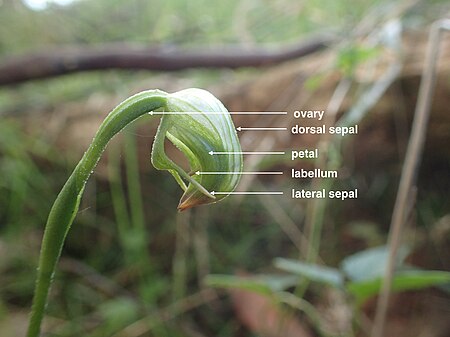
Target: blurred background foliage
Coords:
[(131, 265), (181, 23)]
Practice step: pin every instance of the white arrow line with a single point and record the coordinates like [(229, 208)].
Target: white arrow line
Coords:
[(258, 172), (247, 193), (239, 128), (246, 152), (217, 113)]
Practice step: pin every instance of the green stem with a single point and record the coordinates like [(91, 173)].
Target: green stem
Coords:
[(66, 204)]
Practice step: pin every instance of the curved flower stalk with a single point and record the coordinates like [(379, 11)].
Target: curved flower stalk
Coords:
[(197, 124)]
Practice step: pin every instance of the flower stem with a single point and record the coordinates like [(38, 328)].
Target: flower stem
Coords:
[(66, 204)]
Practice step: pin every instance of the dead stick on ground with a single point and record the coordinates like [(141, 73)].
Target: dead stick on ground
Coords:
[(17, 69), (410, 169)]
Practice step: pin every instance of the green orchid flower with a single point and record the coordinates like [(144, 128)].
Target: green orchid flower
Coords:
[(206, 127), (194, 121)]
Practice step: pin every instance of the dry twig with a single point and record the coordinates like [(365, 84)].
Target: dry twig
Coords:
[(410, 170)]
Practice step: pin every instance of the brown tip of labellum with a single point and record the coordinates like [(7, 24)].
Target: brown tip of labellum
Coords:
[(182, 206), (189, 200), (189, 203)]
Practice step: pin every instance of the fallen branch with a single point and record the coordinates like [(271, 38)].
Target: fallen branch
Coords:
[(127, 56)]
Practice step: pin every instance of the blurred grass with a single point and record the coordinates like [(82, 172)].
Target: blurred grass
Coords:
[(177, 22)]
